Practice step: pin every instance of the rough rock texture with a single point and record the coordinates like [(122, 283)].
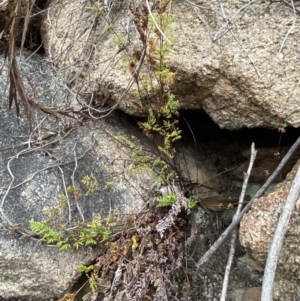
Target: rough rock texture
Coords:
[(32, 176), (236, 72), (248, 294), (252, 294), (33, 271), (256, 232)]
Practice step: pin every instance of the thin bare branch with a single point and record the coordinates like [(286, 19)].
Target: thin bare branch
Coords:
[(5, 217), (247, 53), (27, 17), (289, 4), (259, 193), (228, 25), (158, 28), (229, 21), (10, 187), (66, 192), (76, 190), (3, 4), (203, 7), (10, 184), (278, 238), (234, 234), (292, 26)]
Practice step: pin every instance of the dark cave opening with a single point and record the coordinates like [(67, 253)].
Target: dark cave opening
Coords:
[(204, 129), (230, 150)]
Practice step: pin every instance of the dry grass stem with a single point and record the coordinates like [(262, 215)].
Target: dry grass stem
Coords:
[(234, 234)]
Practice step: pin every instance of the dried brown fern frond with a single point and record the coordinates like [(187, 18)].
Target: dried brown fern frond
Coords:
[(20, 10), (140, 264), (13, 37)]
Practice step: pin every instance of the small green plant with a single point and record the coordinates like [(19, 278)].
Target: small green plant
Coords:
[(146, 160), (170, 199), (193, 203), (73, 190), (118, 39), (84, 268), (90, 183), (110, 26), (49, 235), (166, 201), (154, 79), (92, 274), (97, 8), (52, 212), (147, 64), (82, 235)]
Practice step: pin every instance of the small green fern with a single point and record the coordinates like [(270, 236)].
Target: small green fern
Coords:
[(144, 160), (83, 235), (93, 277), (49, 235), (90, 183), (166, 201), (170, 199), (53, 211), (97, 9)]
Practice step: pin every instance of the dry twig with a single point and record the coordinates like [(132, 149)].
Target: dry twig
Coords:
[(270, 269), (76, 190), (259, 193), (58, 165), (292, 26), (234, 234), (158, 28), (3, 4), (228, 25), (66, 192)]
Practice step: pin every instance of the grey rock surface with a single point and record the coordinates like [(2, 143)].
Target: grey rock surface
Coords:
[(31, 179), (30, 270), (241, 67), (35, 168), (248, 294), (256, 234)]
